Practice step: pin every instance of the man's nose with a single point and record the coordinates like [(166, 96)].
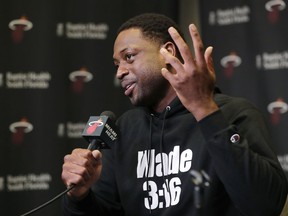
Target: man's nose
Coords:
[(121, 72)]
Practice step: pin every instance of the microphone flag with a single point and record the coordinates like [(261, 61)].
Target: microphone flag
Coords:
[(101, 130)]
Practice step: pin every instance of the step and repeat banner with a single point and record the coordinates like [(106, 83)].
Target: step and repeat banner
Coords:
[(251, 57), (56, 70)]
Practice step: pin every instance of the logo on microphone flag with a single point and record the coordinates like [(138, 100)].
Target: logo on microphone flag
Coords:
[(93, 125), (101, 128)]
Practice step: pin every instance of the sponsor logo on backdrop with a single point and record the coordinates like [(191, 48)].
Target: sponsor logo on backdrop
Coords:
[(229, 63), (1, 80), (230, 16), (274, 7), (272, 61), (18, 27), (276, 109), (96, 31), (27, 80), (19, 129), (78, 78), (2, 183), (283, 159), (28, 182), (72, 130)]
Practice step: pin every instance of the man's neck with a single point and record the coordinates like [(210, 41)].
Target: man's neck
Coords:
[(165, 101)]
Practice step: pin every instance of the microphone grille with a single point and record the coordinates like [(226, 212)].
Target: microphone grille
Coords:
[(110, 114)]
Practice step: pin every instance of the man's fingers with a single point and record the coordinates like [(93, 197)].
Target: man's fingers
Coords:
[(208, 57), (97, 155), (71, 176), (197, 43), (166, 73), (80, 166), (209, 61), (208, 52), (181, 44), (173, 61)]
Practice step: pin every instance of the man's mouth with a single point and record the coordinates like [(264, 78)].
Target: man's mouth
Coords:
[(129, 88)]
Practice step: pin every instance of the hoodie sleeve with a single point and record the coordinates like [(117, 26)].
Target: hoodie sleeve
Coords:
[(85, 207), (239, 146)]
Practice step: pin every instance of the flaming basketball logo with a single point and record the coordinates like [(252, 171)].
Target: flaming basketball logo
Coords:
[(273, 7), (18, 130), (93, 126), (18, 26), (277, 108), (229, 63), (78, 79)]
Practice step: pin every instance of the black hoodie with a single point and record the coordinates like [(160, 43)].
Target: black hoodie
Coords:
[(169, 164)]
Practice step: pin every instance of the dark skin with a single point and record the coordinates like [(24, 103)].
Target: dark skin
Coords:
[(193, 81), (139, 63), (153, 76)]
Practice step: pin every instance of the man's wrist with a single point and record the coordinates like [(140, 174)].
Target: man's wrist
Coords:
[(75, 197), (200, 112)]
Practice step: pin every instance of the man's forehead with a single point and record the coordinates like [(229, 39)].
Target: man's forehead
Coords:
[(130, 38)]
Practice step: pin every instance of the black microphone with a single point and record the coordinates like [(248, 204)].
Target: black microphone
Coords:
[(197, 180), (101, 131)]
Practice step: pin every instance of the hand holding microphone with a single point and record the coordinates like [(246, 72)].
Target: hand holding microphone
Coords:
[(83, 167), (80, 170)]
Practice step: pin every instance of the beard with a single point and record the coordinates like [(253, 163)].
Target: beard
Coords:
[(150, 91)]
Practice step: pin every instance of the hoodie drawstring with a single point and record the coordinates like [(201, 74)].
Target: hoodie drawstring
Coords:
[(149, 159), (168, 108)]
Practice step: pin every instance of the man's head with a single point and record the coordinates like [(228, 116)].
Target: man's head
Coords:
[(139, 62), (154, 27)]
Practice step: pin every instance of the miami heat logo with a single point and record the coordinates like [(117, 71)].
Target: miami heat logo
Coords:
[(229, 63), (93, 125), (18, 26), (18, 130), (78, 79), (277, 108), (273, 7)]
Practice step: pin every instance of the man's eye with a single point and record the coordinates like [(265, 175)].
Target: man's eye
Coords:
[(128, 57), (116, 64)]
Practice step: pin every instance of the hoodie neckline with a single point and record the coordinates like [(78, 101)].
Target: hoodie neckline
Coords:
[(174, 107)]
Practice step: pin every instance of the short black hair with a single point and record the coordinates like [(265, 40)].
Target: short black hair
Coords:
[(154, 26)]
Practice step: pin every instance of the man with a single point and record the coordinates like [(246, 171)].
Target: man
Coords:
[(186, 149)]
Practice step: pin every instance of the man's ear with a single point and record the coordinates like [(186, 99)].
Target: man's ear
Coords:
[(170, 47)]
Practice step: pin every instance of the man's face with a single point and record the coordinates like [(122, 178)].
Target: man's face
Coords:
[(139, 64)]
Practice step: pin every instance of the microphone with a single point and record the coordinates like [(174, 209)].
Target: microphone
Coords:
[(100, 131), (201, 180), (197, 180)]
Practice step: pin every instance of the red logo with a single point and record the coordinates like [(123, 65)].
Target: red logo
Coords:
[(18, 130), (273, 7), (93, 126), (229, 63), (277, 108), (18, 26), (78, 79)]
